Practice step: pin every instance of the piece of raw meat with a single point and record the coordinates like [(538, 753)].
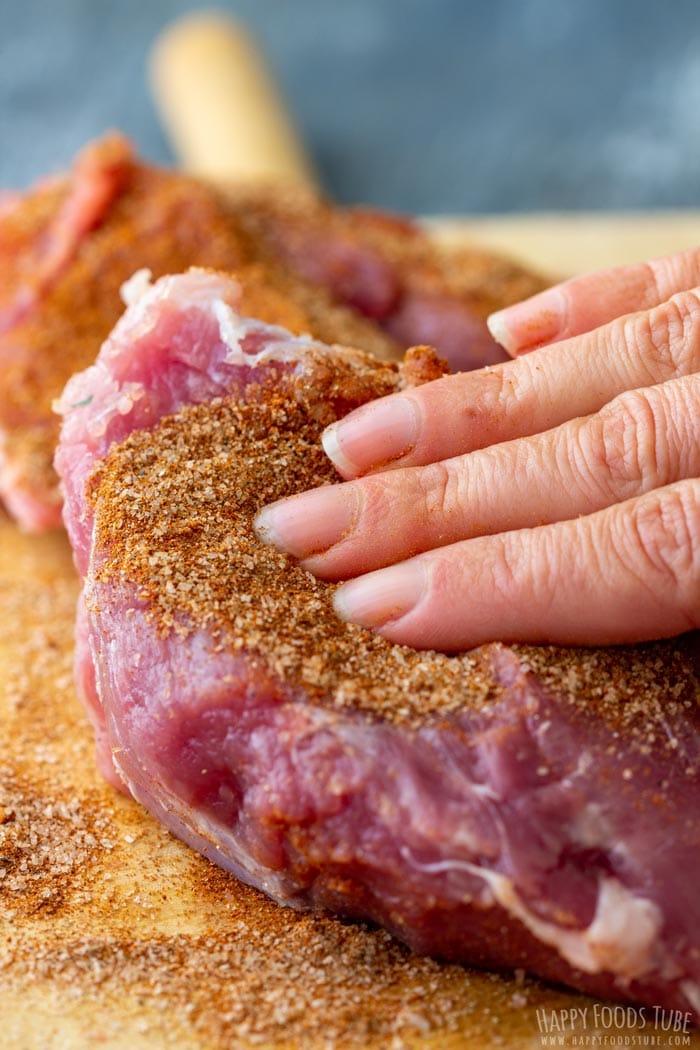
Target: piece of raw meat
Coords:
[(65, 251), (67, 247), (384, 266), (515, 806)]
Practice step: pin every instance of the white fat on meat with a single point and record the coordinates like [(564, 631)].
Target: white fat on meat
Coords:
[(692, 993), (620, 939), (136, 287), (233, 329), (139, 293)]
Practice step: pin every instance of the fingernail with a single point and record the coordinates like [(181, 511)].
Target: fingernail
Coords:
[(310, 523), (379, 597), (531, 323), (373, 435)]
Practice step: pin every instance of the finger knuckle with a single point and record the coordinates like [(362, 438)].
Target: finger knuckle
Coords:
[(497, 392), (665, 340), (665, 536), (475, 403), (658, 277), (378, 504), (507, 570), (673, 272), (623, 446), (442, 492)]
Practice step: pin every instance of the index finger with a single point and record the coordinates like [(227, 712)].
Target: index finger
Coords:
[(584, 303), (471, 410)]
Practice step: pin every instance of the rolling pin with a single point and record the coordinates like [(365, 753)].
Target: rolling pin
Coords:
[(227, 121), (220, 105)]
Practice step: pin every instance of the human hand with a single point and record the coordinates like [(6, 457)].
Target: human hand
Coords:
[(553, 498)]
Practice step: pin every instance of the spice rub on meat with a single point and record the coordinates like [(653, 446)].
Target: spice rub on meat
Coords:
[(511, 807), (67, 246)]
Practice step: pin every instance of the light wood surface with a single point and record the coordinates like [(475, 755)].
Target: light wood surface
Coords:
[(114, 934), (574, 243)]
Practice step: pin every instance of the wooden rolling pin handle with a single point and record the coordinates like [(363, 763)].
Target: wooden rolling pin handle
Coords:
[(220, 105)]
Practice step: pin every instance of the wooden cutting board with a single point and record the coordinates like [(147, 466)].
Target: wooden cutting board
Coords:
[(566, 244), (113, 934)]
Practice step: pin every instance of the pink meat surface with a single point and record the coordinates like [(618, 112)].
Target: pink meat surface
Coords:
[(66, 247), (520, 807), (383, 266), (41, 254)]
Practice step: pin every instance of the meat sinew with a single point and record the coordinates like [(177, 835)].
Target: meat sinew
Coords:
[(66, 248), (511, 807)]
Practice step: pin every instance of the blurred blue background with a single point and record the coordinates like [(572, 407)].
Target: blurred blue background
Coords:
[(424, 105)]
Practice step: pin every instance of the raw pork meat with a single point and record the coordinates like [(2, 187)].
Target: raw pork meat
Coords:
[(386, 268), (514, 806), (66, 248)]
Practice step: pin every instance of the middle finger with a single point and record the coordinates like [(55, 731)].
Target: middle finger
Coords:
[(467, 411)]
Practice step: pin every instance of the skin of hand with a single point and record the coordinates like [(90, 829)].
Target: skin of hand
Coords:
[(554, 498)]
